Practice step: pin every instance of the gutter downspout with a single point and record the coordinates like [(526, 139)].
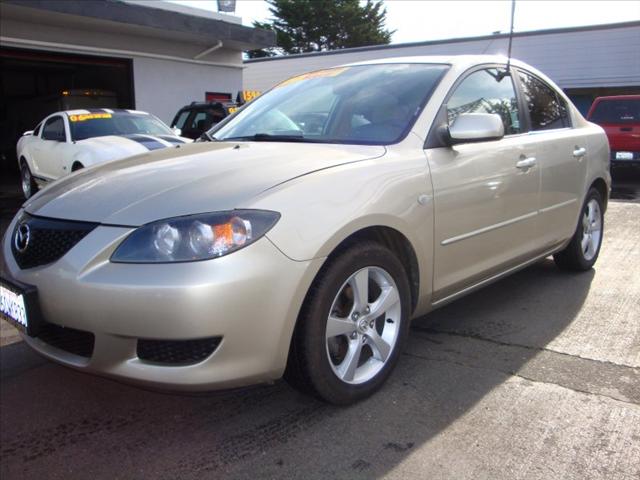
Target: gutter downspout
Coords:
[(209, 50)]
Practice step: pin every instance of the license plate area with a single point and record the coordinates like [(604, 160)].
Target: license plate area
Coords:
[(20, 307), (624, 155)]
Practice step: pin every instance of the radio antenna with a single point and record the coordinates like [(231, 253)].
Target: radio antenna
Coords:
[(513, 13)]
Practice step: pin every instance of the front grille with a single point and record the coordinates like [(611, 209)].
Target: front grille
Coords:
[(70, 340), (48, 239), (177, 352)]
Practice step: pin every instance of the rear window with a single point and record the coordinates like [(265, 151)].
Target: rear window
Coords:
[(616, 111)]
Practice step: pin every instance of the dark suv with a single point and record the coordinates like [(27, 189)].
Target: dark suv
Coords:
[(620, 118), (199, 117)]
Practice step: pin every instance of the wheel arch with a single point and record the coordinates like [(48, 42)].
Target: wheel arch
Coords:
[(601, 186), (396, 242), (76, 165)]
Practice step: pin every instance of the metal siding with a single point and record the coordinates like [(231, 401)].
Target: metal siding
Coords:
[(606, 57)]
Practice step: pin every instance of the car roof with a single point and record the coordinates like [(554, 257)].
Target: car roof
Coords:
[(454, 60), (88, 111)]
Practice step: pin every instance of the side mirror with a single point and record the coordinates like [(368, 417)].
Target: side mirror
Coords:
[(476, 127), (27, 133), (176, 131)]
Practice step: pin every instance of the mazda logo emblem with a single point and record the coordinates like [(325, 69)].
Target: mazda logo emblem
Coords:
[(22, 237)]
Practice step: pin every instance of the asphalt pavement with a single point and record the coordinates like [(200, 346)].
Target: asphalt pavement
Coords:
[(534, 377)]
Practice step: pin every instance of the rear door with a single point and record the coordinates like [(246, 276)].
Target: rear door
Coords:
[(485, 193), (561, 153)]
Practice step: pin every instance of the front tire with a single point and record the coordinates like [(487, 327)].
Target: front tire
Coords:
[(29, 185), (352, 327), (583, 250)]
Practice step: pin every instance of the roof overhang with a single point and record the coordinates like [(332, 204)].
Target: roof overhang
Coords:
[(118, 17)]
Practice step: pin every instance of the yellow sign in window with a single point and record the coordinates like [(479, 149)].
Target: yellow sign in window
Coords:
[(88, 116)]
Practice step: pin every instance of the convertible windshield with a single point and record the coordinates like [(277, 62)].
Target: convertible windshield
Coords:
[(85, 126), (369, 104)]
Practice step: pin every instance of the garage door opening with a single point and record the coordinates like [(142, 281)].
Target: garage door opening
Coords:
[(34, 84)]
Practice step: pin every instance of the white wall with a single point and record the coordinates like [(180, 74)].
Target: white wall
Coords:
[(163, 86), (580, 59)]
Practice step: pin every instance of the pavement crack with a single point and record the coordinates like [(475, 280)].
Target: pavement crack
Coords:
[(515, 373), (517, 345)]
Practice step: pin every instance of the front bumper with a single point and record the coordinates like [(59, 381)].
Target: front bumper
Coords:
[(249, 298)]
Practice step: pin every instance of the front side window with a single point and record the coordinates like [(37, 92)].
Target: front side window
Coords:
[(205, 119), (367, 104), (547, 110), (486, 91), (54, 130)]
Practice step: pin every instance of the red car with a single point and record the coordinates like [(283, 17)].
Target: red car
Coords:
[(620, 118)]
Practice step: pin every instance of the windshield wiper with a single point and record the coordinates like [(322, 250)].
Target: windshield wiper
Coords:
[(268, 137)]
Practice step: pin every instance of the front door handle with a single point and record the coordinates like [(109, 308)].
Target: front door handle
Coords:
[(579, 152), (526, 163)]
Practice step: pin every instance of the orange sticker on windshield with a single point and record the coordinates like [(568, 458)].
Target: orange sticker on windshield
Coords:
[(88, 116), (330, 72)]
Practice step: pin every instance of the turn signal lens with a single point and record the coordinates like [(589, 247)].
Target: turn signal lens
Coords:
[(197, 237)]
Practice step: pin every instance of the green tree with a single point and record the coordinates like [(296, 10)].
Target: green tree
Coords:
[(317, 25)]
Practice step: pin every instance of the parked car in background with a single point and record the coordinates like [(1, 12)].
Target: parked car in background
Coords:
[(281, 248), (198, 117), (73, 139), (23, 113), (620, 118)]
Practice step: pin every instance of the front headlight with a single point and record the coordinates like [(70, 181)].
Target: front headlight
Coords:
[(194, 237)]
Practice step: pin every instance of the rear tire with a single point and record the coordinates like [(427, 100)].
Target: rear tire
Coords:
[(583, 250), (76, 166), (352, 327), (29, 185)]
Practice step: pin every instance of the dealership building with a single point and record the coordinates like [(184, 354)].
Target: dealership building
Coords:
[(586, 62), (151, 56)]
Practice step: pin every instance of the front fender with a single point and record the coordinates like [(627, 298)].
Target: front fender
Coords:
[(322, 209)]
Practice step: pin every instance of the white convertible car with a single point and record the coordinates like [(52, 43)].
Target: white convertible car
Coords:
[(68, 141)]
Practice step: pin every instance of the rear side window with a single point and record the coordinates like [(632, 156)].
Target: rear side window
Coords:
[(54, 130), (616, 111), (547, 110), (486, 91)]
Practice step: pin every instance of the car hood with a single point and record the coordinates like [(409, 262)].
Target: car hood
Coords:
[(188, 179), (112, 147)]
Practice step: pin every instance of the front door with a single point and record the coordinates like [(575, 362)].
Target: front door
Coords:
[(486, 194)]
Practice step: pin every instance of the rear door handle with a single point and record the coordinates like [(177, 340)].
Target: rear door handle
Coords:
[(579, 152), (526, 163)]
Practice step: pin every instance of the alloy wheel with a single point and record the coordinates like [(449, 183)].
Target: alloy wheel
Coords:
[(591, 229), (363, 325)]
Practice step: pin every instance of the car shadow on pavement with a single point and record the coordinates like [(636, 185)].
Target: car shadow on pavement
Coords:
[(58, 423)]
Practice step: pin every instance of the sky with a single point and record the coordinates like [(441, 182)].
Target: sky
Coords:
[(415, 20)]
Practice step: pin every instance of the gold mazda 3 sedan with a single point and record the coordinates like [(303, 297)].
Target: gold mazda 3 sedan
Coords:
[(300, 237)]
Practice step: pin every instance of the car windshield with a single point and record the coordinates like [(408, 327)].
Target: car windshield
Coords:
[(617, 111), (85, 126), (369, 104)]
